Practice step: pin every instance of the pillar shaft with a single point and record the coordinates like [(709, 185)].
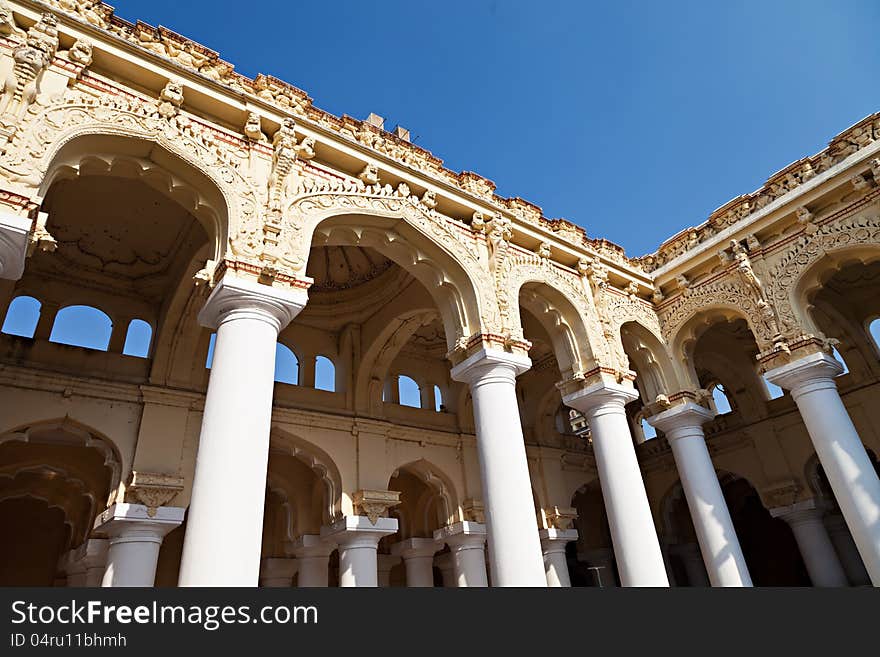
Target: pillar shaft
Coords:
[(636, 547), (466, 541), (135, 537), (225, 523), (553, 542), (514, 549), (418, 559), (839, 448), (814, 543), (357, 539), (722, 555), (846, 550), (313, 560)]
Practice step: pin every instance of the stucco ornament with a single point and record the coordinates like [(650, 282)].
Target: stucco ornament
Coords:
[(22, 85)]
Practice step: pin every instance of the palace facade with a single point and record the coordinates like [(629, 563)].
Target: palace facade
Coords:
[(321, 358)]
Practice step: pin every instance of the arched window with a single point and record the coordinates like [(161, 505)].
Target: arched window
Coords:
[(22, 317), (874, 332), (719, 397), (438, 400), (210, 358), (137, 339), (286, 365), (840, 359), (773, 390), (325, 374), (82, 326), (409, 392)]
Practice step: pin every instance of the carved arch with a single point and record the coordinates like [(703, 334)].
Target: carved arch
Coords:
[(789, 281), (284, 442), (558, 303), (36, 146), (439, 483)]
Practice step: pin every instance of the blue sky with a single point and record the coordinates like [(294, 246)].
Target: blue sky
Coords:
[(633, 119)]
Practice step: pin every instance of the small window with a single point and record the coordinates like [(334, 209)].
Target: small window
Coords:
[(410, 394), (874, 332), (840, 360), (22, 317), (648, 431), (82, 326), (438, 400), (137, 339), (325, 374), (773, 390), (719, 396), (286, 365), (210, 358)]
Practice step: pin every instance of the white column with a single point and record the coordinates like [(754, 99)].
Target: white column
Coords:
[(384, 565), (553, 542), (683, 427), (418, 559), (135, 538), (225, 523), (313, 558), (514, 549), (277, 573), (85, 565), (839, 448), (847, 551), (813, 542), (636, 547), (467, 543), (357, 539), (14, 233)]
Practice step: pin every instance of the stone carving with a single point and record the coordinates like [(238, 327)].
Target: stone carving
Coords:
[(805, 218), (81, 53), (375, 503), (8, 26), (305, 150), (170, 99), (30, 60), (152, 490), (253, 128), (283, 157), (545, 250), (561, 518), (859, 182), (429, 199), (370, 174)]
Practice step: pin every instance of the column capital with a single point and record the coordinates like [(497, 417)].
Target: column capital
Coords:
[(490, 364), (601, 397), (234, 297), (14, 233), (676, 421), (798, 513), (124, 521), (358, 531), (413, 548), (813, 372), (464, 535), (555, 540), (309, 545)]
